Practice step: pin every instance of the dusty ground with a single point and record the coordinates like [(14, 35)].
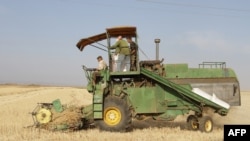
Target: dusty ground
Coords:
[(17, 101)]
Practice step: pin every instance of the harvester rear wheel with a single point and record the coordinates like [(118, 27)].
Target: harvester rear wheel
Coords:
[(206, 124), (116, 115), (193, 123)]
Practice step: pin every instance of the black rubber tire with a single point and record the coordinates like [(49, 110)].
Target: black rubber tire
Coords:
[(206, 124), (192, 123), (116, 115)]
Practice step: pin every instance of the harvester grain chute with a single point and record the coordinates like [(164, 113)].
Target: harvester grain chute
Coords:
[(156, 90)]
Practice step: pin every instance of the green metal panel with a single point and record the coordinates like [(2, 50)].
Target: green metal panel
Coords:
[(171, 114), (117, 89), (160, 98), (147, 100), (180, 68), (142, 99), (97, 107), (87, 109), (105, 75), (182, 71), (125, 73), (97, 115), (88, 112), (173, 98), (57, 105), (90, 87), (156, 99), (98, 98)]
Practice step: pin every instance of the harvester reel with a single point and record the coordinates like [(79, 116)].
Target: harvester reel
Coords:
[(43, 116)]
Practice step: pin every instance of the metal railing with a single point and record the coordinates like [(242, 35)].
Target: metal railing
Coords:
[(221, 65)]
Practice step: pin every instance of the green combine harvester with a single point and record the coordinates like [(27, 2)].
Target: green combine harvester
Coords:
[(155, 90)]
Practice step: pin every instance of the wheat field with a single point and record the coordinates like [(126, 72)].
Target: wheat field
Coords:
[(17, 101)]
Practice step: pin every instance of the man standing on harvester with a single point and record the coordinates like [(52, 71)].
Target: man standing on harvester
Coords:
[(122, 51), (133, 53)]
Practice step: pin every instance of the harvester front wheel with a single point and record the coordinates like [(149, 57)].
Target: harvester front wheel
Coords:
[(116, 115), (192, 122), (206, 124)]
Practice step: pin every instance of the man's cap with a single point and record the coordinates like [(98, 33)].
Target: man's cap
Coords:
[(99, 57), (128, 37), (119, 37)]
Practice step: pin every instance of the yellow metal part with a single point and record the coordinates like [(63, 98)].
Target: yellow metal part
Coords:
[(43, 116), (208, 125), (194, 125), (112, 116)]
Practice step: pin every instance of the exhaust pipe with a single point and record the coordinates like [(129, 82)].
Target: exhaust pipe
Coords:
[(157, 41)]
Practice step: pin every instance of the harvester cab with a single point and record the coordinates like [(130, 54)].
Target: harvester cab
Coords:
[(125, 74)]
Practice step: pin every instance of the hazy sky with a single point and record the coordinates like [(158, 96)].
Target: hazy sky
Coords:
[(38, 37)]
